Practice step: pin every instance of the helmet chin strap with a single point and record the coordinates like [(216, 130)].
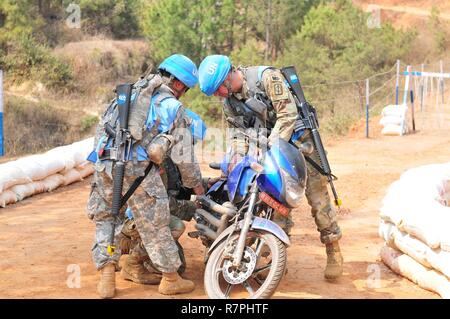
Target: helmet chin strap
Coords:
[(179, 92), (227, 84)]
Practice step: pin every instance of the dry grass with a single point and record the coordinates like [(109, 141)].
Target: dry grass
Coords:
[(98, 61), (31, 127)]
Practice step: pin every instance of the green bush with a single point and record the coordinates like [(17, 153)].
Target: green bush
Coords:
[(87, 123), (336, 45), (115, 18), (439, 29), (208, 107), (24, 58), (251, 54)]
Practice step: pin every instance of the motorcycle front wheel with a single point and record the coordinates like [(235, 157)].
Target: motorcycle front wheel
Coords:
[(262, 268)]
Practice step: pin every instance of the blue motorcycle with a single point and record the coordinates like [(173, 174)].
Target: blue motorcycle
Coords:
[(246, 255)]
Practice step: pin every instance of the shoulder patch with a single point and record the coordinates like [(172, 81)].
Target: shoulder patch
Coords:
[(275, 88)]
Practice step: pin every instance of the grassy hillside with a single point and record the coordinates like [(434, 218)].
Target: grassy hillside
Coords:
[(73, 72)]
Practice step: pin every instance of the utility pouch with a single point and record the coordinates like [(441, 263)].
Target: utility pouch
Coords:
[(257, 106)]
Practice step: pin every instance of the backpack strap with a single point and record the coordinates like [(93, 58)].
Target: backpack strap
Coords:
[(149, 134), (253, 76)]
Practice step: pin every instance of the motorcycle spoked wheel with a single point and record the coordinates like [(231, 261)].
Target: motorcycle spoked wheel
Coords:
[(264, 265)]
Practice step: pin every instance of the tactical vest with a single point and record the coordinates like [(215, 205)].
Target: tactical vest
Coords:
[(257, 111), (144, 125)]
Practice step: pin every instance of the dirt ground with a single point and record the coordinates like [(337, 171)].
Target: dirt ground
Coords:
[(46, 237)]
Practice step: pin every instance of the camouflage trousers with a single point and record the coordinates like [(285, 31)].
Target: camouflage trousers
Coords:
[(150, 206), (131, 236), (179, 210), (319, 199)]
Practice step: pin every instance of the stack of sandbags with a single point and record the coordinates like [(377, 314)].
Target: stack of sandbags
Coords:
[(415, 222), (40, 173), (393, 120)]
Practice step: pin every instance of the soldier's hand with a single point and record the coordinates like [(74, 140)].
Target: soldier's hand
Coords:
[(212, 181), (199, 190)]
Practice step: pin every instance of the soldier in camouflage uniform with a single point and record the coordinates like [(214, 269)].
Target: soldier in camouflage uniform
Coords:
[(140, 269), (266, 84), (163, 119)]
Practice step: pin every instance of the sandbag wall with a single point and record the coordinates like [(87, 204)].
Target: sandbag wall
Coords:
[(415, 225), (393, 120), (45, 172)]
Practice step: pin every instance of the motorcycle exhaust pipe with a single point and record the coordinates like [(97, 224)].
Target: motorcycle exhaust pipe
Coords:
[(216, 207), (205, 230), (210, 218)]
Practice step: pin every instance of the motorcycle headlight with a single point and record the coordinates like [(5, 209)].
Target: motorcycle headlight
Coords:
[(294, 190)]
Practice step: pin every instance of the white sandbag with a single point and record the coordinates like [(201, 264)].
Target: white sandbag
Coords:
[(439, 260), (10, 175), (51, 163), (78, 152), (387, 231), (72, 176), (444, 233), (81, 150), (426, 232), (86, 169), (69, 161), (32, 168), (421, 196), (395, 110), (64, 154), (52, 182), (406, 266), (446, 185), (23, 191), (414, 203), (432, 181), (412, 247), (445, 241), (391, 209), (427, 221), (434, 172), (392, 130), (38, 187), (391, 120), (26, 172), (445, 198), (391, 214), (419, 251), (7, 197)]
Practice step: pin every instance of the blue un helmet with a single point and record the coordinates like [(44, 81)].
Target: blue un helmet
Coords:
[(182, 68), (212, 72)]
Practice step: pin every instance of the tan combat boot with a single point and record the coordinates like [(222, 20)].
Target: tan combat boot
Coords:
[(173, 284), (134, 270), (334, 261), (107, 285)]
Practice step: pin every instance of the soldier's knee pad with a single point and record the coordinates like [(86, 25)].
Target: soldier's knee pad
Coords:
[(330, 234)]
